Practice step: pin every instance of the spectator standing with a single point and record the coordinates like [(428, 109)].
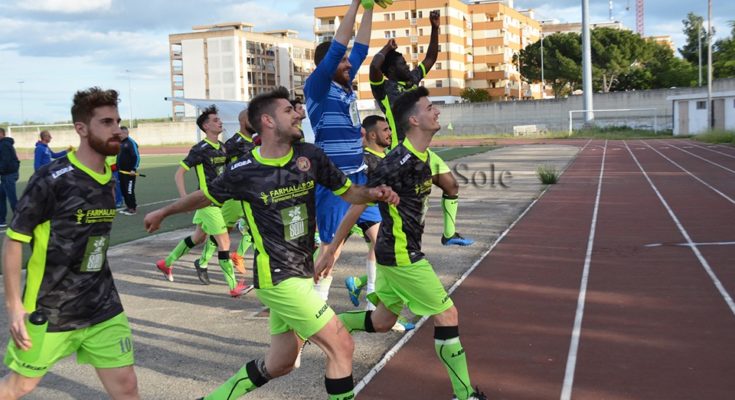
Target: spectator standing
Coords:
[(9, 165), (43, 154), (128, 162)]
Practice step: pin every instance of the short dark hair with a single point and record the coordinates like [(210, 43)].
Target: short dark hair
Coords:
[(263, 104), (321, 51), (405, 106), (390, 60), (85, 101), (296, 101), (370, 121), (204, 116)]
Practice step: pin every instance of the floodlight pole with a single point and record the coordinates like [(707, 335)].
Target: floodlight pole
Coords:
[(709, 65), (589, 115)]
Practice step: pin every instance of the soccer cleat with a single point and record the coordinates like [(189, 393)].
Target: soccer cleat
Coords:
[(167, 271), (238, 261), (353, 290), (202, 273), (456, 240), (128, 211), (3, 225), (476, 395), (403, 325), (241, 289), (297, 362)]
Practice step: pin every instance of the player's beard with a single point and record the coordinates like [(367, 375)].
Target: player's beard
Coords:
[(107, 148)]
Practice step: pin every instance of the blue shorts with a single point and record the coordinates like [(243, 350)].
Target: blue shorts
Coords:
[(330, 209)]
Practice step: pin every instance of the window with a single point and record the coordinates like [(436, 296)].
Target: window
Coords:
[(405, 16), (438, 66), (439, 48), (421, 31), (439, 84), (406, 32), (701, 105), (387, 34), (421, 49), (421, 14)]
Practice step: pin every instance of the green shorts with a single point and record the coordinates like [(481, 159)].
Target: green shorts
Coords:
[(438, 166), (415, 285), (295, 306), (211, 220), (231, 212), (108, 344)]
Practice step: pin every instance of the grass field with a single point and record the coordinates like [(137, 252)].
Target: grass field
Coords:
[(158, 189)]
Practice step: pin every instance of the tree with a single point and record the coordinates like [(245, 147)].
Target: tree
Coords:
[(616, 52), (694, 27), (474, 95), (661, 69), (562, 62), (723, 56)]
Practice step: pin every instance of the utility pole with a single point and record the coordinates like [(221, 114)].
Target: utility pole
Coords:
[(709, 65), (699, 50), (589, 115), (543, 82), (22, 113)]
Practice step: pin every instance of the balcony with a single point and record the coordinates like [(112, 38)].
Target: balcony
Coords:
[(325, 28)]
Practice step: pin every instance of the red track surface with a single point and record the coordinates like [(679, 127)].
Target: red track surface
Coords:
[(654, 324)]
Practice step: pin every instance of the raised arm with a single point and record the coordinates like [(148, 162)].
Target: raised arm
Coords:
[(344, 32), (433, 51), (366, 26), (376, 73)]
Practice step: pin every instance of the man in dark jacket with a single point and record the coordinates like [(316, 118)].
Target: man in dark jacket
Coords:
[(9, 165), (43, 154), (128, 161)]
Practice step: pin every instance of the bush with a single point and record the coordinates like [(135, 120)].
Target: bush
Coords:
[(716, 137), (547, 174)]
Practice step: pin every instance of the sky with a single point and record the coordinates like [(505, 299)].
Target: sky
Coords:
[(49, 49)]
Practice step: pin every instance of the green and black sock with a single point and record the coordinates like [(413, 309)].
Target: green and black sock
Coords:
[(226, 264), (357, 321), (340, 388), (182, 248), (245, 243), (450, 352), (207, 252), (250, 377), (449, 208)]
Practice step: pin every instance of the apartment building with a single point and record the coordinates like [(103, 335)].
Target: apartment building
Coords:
[(477, 42), (229, 61)]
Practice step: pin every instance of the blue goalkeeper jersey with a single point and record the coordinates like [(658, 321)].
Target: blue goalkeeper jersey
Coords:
[(333, 111)]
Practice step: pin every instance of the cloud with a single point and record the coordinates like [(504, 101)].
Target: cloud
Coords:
[(65, 6)]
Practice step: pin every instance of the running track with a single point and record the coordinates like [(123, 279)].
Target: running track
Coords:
[(617, 284)]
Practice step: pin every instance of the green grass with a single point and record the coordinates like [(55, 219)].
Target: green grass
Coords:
[(547, 174), (715, 137), (453, 153)]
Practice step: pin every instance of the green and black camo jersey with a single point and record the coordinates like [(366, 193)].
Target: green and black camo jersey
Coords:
[(237, 146), (66, 214), (408, 173), (278, 197), (372, 159), (387, 91), (208, 160)]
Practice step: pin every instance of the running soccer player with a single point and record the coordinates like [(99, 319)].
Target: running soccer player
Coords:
[(400, 79), (332, 107), (235, 147), (404, 276), (66, 214), (276, 183), (208, 159)]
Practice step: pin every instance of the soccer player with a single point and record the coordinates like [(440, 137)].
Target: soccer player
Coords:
[(404, 276), (399, 79), (208, 159), (235, 147), (276, 183), (128, 162), (332, 107), (66, 212)]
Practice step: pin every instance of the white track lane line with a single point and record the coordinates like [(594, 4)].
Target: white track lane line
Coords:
[(690, 243), (566, 391), (710, 149), (701, 158), (408, 335), (728, 198)]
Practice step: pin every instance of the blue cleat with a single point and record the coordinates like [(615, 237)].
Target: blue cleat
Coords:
[(456, 240), (353, 290), (403, 325)]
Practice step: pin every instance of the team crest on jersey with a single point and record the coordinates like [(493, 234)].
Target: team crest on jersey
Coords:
[(303, 164)]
